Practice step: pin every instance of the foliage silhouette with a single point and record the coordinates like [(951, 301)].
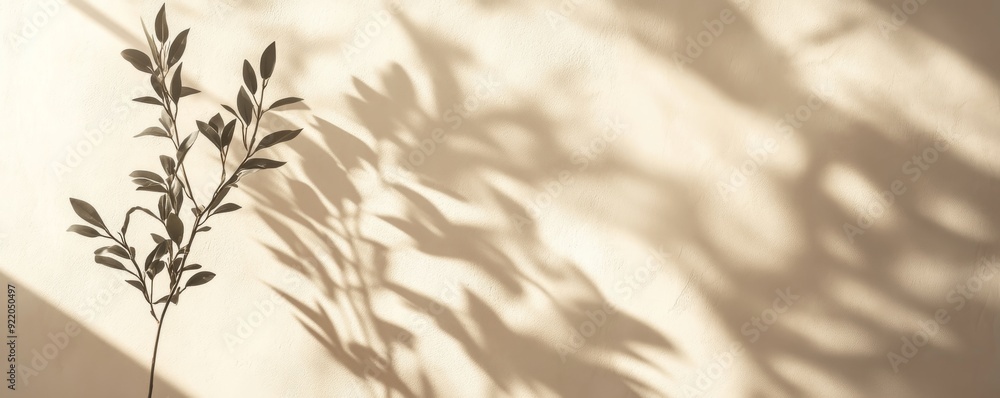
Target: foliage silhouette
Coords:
[(171, 253)]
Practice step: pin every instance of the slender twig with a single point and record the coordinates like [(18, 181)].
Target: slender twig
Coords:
[(156, 347), (173, 253)]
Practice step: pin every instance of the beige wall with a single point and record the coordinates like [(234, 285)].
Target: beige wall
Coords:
[(682, 205)]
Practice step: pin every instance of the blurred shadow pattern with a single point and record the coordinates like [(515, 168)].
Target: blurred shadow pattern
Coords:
[(352, 263), (352, 214)]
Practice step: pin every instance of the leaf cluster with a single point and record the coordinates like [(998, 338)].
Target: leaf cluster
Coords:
[(170, 247)]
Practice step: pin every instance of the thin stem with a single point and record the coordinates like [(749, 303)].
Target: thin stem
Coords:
[(243, 128), (260, 112), (156, 344), (151, 296), (138, 272), (186, 183), (173, 291), (199, 221)]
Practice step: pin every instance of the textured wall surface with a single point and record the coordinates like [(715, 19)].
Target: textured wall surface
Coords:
[(502, 198)]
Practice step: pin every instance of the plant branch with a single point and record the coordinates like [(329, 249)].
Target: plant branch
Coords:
[(171, 254)]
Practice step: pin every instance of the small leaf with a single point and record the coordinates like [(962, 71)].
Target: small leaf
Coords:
[(138, 59), (157, 238), (163, 207), (226, 208), (116, 250), (155, 132), (238, 175), (230, 110), (200, 278), (217, 123), (227, 133), (204, 229), (261, 163), (177, 47), (167, 163), (157, 84), (191, 267), (149, 175), (84, 230), (285, 101), (151, 188), (142, 182), (158, 266), (162, 300), (162, 32), (175, 84), (175, 194), (178, 198), (185, 147), (277, 138), (157, 252), (149, 39), (148, 100), (110, 262), (245, 105), (176, 264), (120, 252), (87, 212), (267, 62), (249, 77), (210, 132), (218, 197), (138, 285), (175, 228), (165, 119), (186, 91)]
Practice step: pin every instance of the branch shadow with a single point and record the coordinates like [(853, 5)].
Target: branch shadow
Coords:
[(839, 141), (783, 229), (348, 240), (810, 253)]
